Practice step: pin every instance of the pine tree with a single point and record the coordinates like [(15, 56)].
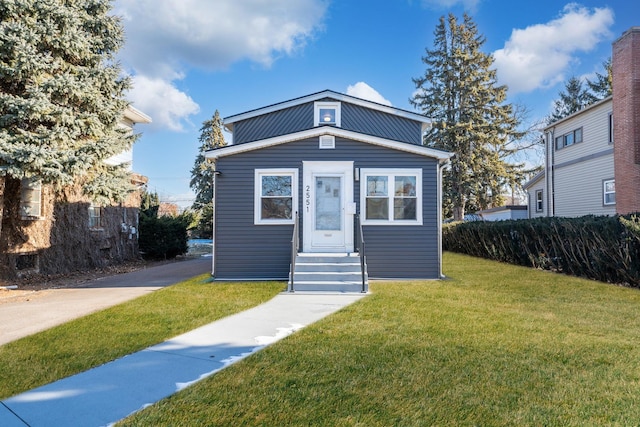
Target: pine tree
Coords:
[(62, 95), (202, 173), (602, 87), (459, 92), (573, 98)]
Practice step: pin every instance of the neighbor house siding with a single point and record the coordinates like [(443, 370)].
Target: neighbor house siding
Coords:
[(579, 169), (580, 191), (595, 133), (532, 191), (244, 250)]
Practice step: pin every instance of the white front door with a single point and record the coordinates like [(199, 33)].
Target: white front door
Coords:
[(328, 208)]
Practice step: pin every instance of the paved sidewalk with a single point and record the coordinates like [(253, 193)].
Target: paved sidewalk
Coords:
[(108, 393), (52, 307)]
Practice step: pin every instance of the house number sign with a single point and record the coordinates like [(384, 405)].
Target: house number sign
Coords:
[(307, 197)]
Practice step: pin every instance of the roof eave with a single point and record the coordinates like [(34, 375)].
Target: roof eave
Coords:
[(328, 130)]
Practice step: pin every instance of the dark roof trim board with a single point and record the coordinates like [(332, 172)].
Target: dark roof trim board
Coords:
[(229, 121), (328, 130)]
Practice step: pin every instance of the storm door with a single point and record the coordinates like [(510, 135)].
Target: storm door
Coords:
[(328, 207)]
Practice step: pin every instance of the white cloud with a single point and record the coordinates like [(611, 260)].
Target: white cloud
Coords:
[(165, 38), (159, 99), (538, 56), (364, 91)]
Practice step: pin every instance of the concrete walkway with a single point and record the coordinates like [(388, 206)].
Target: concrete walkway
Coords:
[(110, 392)]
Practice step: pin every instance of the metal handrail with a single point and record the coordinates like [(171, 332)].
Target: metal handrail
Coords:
[(295, 245), (361, 251)]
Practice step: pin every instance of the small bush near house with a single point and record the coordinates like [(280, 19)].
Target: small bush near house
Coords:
[(595, 247), (163, 237)]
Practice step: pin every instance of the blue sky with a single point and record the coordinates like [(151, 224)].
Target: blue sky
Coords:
[(188, 58)]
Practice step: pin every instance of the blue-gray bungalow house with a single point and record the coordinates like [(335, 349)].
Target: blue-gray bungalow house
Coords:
[(330, 165)]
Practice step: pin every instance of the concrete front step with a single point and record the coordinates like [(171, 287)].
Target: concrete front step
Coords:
[(338, 267), (327, 276), (328, 273)]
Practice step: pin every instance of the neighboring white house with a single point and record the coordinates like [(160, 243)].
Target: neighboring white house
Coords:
[(582, 162), (506, 212), (579, 178)]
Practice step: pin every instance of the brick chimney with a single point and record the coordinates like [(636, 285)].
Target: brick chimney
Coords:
[(626, 117)]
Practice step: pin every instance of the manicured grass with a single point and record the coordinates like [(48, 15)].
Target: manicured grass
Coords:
[(123, 329), (494, 345)]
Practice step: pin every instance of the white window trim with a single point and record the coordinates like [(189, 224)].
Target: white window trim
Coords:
[(257, 195), (390, 173), (539, 201), (322, 105), (605, 192)]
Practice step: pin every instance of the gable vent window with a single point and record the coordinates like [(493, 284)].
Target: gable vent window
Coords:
[(30, 199), (327, 142), (326, 114)]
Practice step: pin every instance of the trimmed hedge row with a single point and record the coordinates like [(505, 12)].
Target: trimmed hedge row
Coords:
[(596, 247)]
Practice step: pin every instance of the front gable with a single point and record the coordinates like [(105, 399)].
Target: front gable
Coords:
[(350, 113)]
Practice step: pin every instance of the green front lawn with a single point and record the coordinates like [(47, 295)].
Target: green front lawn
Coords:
[(493, 345), (126, 328)]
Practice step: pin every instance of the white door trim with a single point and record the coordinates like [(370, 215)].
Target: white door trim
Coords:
[(344, 170)]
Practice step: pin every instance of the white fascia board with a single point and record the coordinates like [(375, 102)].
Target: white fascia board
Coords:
[(328, 130), (136, 116), (229, 121)]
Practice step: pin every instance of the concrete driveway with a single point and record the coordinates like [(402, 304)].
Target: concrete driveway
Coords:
[(52, 307)]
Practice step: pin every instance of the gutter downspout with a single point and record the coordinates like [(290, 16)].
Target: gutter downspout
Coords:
[(551, 189), (441, 166), (213, 219)]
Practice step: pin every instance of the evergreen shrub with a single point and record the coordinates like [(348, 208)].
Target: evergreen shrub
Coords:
[(605, 248), (163, 237)]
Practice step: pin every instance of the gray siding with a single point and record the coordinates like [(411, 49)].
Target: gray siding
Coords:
[(278, 123), (377, 123), (353, 117), (247, 251), (531, 191)]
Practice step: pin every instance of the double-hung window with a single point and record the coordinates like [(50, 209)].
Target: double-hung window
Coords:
[(275, 196), (539, 201), (609, 192), (391, 196), (95, 217)]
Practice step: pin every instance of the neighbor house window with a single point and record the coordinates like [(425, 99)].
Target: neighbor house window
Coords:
[(326, 113), (539, 204), (30, 198), (573, 137), (391, 196), (609, 192), (276, 196), (95, 217), (610, 128)]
